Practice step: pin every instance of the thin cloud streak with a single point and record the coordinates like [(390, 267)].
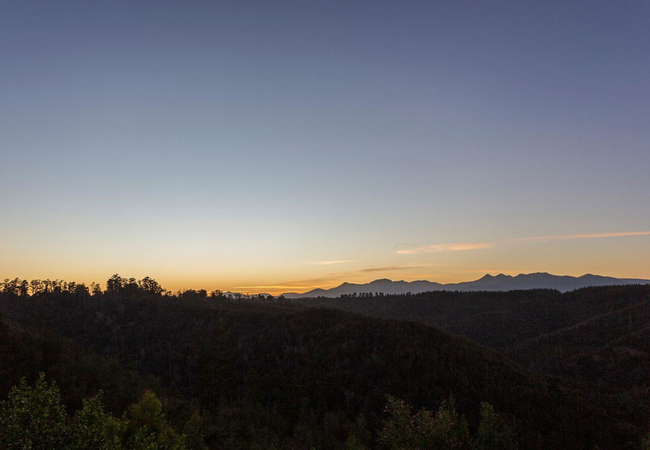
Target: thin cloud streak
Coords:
[(463, 246), (329, 263), (452, 247), (387, 268), (272, 287), (583, 236)]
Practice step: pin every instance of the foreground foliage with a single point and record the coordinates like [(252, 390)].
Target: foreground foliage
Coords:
[(446, 430), (34, 418)]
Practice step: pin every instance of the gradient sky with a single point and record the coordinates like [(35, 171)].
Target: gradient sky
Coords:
[(265, 146)]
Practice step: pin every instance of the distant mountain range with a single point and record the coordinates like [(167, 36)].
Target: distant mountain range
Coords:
[(499, 282)]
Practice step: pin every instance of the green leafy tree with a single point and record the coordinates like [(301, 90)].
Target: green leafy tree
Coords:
[(33, 418), (92, 427), (450, 429), (446, 430), (194, 431), (399, 431), (147, 426), (493, 432), (359, 437), (404, 431)]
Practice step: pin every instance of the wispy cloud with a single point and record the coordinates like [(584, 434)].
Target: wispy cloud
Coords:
[(387, 268), (268, 286), (584, 236), (329, 263), (463, 246), (490, 270), (452, 247), (298, 285), (324, 281)]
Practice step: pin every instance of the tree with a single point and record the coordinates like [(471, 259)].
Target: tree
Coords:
[(92, 427), (216, 294), (493, 432), (359, 437), (403, 431), (33, 418), (115, 284), (194, 431), (446, 430), (36, 286), (450, 429), (150, 285), (147, 426), (96, 289), (16, 287)]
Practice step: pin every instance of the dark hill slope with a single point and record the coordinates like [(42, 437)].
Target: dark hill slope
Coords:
[(77, 372), (611, 349), (300, 375), (496, 319), (598, 337)]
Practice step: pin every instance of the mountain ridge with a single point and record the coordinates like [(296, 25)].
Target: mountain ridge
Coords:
[(499, 282)]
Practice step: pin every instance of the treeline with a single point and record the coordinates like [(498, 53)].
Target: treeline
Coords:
[(115, 285), (273, 374)]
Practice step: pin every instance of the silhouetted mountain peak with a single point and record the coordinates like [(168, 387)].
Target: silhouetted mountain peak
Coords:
[(488, 277), (535, 275), (592, 276), (500, 282)]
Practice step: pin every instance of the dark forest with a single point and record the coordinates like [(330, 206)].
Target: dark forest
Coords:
[(134, 366)]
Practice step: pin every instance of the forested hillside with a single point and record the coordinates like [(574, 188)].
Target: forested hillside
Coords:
[(267, 373), (596, 337)]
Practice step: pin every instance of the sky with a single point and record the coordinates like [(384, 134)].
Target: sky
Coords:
[(260, 146)]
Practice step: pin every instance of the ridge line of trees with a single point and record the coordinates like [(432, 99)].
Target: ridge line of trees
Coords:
[(118, 286)]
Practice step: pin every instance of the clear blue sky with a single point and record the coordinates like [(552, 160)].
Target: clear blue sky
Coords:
[(274, 146)]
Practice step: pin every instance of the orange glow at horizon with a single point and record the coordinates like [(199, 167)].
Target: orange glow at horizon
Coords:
[(175, 284), (562, 254)]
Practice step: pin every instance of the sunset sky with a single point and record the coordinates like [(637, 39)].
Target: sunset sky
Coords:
[(262, 146)]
